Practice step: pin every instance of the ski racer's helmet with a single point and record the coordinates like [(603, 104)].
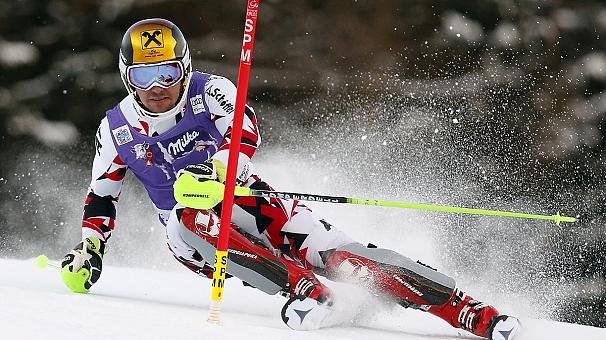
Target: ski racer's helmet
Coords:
[(155, 53)]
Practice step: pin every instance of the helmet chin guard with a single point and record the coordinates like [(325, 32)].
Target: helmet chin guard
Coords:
[(149, 42)]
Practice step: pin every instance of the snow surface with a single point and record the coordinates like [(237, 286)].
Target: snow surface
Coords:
[(134, 303)]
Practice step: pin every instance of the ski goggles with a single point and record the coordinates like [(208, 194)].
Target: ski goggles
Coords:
[(165, 75)]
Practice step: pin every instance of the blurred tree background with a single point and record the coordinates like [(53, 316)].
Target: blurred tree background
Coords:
[(522, 80)]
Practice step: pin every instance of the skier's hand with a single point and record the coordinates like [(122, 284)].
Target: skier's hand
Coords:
[(200, 186), (81, 267), (210, 170)]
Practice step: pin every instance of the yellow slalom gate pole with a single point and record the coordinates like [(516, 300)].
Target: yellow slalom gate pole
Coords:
[(216, 295), (218, 284)]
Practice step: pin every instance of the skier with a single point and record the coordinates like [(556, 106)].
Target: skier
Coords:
[(177, 122)]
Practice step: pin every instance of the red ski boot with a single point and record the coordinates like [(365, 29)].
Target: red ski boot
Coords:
[(462, 311), (303, 282)]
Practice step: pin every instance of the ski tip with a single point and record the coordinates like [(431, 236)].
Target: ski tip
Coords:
[(42, 261)]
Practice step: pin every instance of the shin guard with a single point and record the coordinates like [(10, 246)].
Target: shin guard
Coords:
[(250, 261), (387, 273)]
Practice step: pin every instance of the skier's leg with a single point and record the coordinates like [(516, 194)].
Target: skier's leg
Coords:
[(413, 284), (386, 272), (192, 236)]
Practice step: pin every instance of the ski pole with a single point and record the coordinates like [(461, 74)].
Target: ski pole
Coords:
[(557, 218), (43, 262), (205, 195)]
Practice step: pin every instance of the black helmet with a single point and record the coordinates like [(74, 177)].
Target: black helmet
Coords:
[(154, 42)]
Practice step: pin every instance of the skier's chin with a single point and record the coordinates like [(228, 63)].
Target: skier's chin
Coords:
[(159, 105)]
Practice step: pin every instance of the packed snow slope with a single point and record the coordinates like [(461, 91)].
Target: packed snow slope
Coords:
[(134, 303)]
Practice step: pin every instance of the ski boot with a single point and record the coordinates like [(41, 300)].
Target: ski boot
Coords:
[(462, 311), (309, 303)]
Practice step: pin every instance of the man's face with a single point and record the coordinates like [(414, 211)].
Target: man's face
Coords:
[(158, 99)]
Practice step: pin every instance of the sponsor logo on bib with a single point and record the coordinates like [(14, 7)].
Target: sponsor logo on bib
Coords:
[(180, 144), (197, 104), (122, 135)]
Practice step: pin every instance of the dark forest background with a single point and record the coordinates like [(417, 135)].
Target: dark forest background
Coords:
[(516, 84)]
